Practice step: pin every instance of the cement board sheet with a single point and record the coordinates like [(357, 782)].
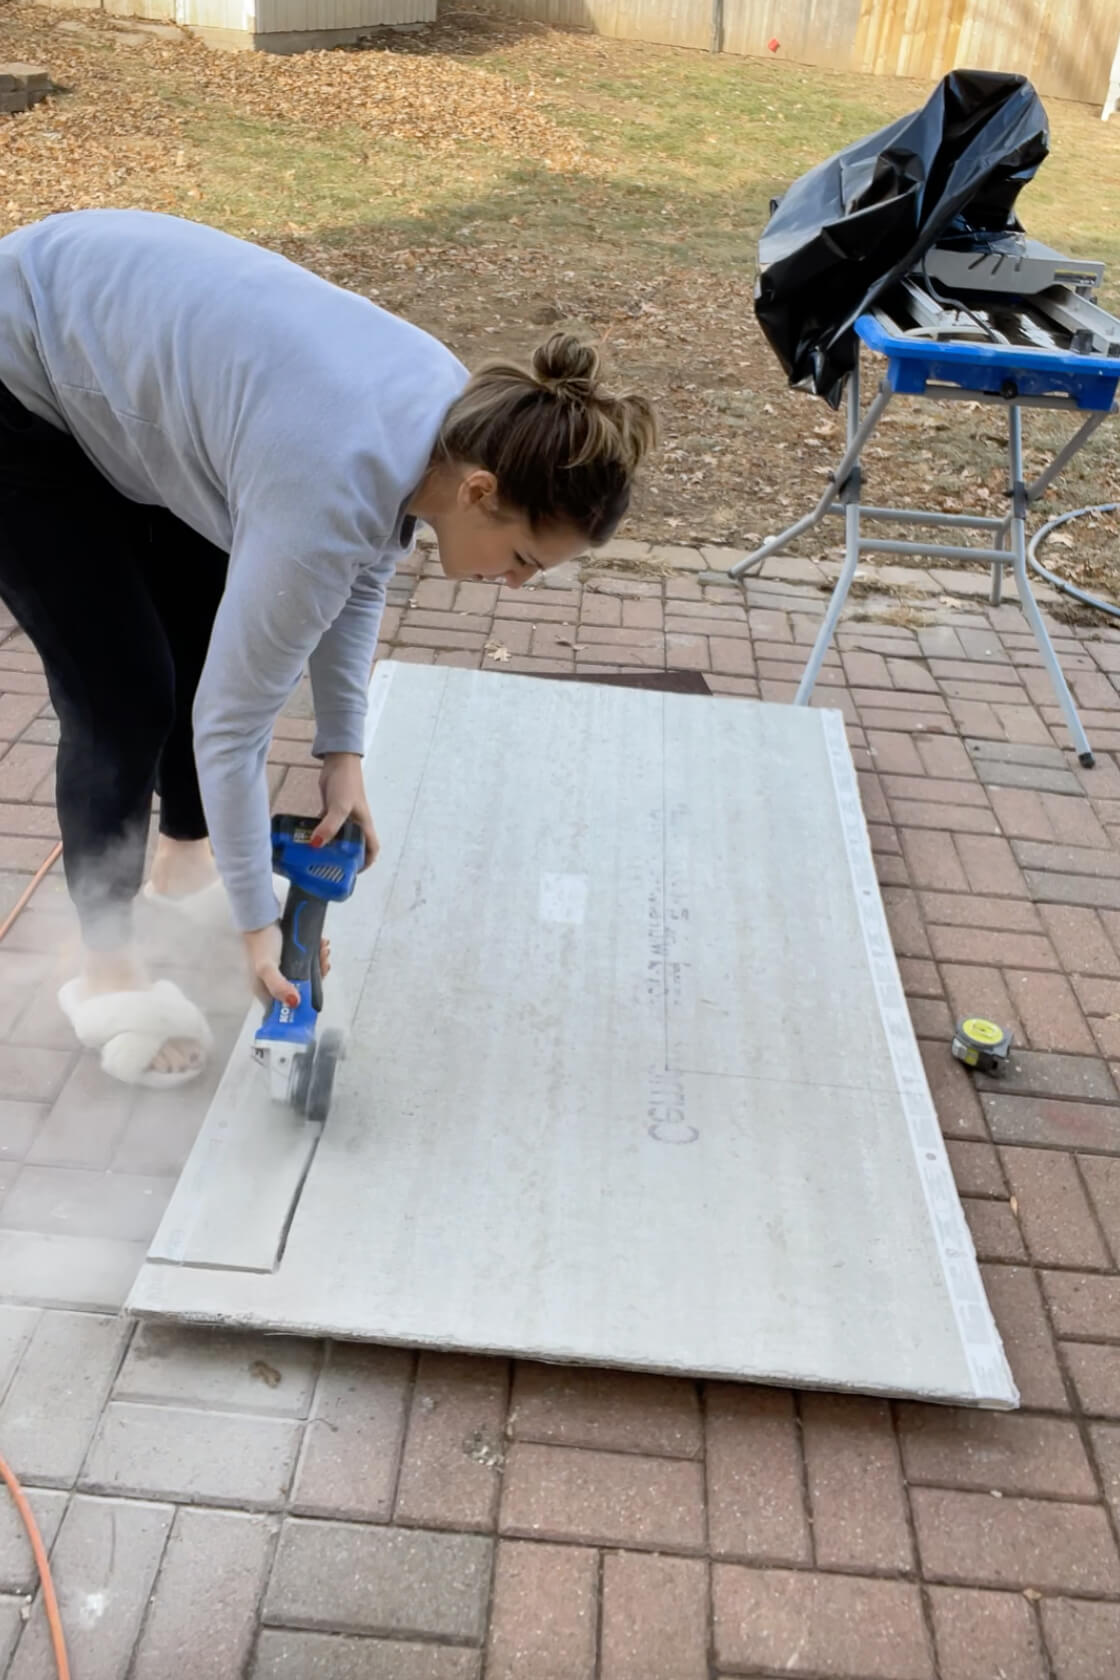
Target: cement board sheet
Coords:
[(631, 1077)]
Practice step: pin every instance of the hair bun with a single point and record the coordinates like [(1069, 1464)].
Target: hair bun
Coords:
[(562, 448), (567, 365)]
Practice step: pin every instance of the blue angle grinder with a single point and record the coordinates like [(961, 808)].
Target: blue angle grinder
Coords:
[(301, 1064)]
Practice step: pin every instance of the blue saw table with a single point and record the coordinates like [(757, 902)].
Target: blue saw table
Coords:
[(1000, 375)]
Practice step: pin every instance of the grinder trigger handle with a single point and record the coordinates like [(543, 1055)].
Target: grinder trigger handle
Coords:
[(301, 934)]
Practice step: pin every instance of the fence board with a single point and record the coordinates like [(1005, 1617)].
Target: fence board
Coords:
[(1065, 48)]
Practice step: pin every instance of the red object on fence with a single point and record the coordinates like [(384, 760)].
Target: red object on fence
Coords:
[(773, 43)]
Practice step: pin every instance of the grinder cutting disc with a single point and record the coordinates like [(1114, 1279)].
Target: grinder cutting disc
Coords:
[(313, 1075)]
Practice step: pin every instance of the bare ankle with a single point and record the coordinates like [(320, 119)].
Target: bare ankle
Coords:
[(181, 867), (122, 970)]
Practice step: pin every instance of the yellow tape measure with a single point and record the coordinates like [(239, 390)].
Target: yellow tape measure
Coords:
[(981, 1044)]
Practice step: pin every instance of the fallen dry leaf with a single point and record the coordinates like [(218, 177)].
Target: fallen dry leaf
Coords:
[(496, 650)]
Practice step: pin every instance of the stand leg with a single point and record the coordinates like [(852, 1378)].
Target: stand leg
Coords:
[(774, 545), (996, 596), (857, 437), (851, 494), (1017, 533), (1062, 459)]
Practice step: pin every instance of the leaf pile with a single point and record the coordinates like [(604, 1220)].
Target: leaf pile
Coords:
[(430, 102), (102, 142), (106, 141)]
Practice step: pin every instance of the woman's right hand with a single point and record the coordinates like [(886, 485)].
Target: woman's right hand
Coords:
[(263, 947)]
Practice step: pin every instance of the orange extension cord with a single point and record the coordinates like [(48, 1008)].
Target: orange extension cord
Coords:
[(21, 902), (50, 1602), (38, 1550)]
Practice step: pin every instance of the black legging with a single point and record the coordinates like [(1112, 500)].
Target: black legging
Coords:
[(119, 600)]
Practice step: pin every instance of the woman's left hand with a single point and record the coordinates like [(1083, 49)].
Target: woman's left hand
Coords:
[(343, 788)]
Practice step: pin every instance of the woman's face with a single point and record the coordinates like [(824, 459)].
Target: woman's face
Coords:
[(479, 540)]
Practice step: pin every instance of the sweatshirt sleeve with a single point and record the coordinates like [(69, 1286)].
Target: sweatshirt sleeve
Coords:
[(340, 665), (276, 611)]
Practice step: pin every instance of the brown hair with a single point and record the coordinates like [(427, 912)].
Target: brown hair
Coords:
[(563, 450)]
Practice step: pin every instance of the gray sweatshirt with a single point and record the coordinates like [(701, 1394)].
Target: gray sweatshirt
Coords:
[(284, 419)]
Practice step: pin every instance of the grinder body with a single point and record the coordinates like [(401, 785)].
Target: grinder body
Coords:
[(300, 1065)]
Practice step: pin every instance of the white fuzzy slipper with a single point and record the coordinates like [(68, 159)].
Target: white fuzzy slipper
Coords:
[(209, 908), (131, 1028)]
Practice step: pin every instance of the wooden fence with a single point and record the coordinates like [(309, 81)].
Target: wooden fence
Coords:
[(1064, 46)]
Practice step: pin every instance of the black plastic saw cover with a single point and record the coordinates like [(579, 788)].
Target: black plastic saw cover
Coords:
[(852, 227)]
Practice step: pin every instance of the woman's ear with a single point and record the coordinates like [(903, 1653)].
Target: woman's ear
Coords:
[(478, 486)]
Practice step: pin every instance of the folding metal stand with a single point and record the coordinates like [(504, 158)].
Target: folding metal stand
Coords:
[(923, 368)]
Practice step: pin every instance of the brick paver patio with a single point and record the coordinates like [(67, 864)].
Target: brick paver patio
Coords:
[(222, 1506)]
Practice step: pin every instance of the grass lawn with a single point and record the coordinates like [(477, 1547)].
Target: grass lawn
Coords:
[(488, 178)]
